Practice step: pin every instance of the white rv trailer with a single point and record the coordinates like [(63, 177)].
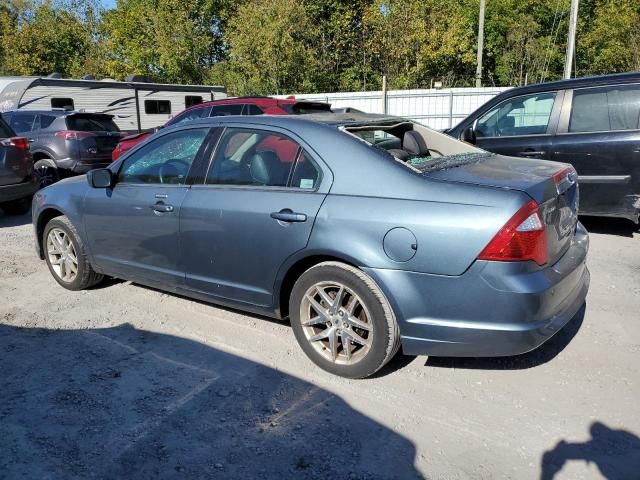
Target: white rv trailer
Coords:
[(136, 105)]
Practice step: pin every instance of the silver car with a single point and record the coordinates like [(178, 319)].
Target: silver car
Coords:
[(368, 232)]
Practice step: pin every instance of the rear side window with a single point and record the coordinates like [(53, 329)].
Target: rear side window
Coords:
[(191, 100), (66, 103), (5, 130), (253, 157), (157, 107), (23, 122), (91, 124), (46, 120), (518, 116), (306, 174), (192, 114), (251, 109), (224, 110), (605, 109)]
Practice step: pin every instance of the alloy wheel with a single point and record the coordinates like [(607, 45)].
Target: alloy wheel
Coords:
[(48, 175), (62, 255), (336, 323)]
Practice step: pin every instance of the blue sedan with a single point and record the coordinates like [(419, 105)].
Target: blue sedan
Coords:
[(368, 232)]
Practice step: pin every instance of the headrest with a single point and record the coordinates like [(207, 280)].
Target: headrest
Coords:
[(399, 154), (414, 143)]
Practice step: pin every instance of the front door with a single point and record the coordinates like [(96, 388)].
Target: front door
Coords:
[(133, 228), (520, 126), (599, 134), (255, 208)]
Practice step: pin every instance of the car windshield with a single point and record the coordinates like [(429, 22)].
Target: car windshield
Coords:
[(93, 123), (418, 147)]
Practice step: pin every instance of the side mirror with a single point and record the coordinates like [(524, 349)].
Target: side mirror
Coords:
[(100, 178), (468, 135)]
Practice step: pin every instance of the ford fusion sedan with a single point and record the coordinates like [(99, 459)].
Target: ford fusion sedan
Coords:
[(369, 233)]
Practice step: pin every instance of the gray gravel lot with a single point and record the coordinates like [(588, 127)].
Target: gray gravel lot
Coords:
[(127, 382)]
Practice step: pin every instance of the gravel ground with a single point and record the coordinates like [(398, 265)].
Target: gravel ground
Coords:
[(127, 382)]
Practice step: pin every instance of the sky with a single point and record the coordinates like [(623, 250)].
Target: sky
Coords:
[(108, 3)]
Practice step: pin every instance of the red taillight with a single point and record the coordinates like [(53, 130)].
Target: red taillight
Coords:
[(561, 175), (19, 142), (74, 135), (522, 238)]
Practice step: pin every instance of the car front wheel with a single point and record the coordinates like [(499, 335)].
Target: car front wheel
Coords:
[(342, 320)]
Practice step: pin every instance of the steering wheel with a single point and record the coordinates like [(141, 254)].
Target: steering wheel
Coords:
[(173, 171)]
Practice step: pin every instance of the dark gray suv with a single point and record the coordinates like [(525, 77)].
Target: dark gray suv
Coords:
[(17, 180), (64, 142)]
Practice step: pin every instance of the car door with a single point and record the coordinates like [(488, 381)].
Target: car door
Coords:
[(520, 126), (599, 134), (254, 209), (133, 228)]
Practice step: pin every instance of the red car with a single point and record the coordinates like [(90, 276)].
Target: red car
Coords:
[(230, 106)]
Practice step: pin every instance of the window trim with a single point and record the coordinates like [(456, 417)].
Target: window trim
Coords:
[(567, 109), (554, 115), (302, 146)]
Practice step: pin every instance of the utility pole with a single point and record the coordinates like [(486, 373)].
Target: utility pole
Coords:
[(480, 45), (571, 40)]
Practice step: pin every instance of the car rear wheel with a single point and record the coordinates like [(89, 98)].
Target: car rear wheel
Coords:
[(342, 320), (65, 255), (16, 207), (47, 172)]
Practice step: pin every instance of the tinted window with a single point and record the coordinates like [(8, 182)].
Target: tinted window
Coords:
[(190, 115), (46, 120), (251, 109), (165, 160), (306, 173), (86, 123), (605, 109), (5, 130), (66, 103), (524, 115), (191, 100), (157, 107), (253, 157), (22, 122), (223, 110)]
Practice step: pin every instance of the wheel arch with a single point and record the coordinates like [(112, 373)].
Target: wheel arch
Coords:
[(45, 217)]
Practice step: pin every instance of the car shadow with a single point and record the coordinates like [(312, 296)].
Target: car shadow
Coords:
[(616, 454), (610, 226), (541, 355), (126, 403), (7, 221)]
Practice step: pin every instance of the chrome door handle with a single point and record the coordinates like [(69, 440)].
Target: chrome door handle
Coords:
[(530, 153), (161, 208), (288, 215)]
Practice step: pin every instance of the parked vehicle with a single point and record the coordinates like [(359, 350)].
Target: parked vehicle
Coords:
[(17, 179), (592, 123), (452, 251), (135, 103), (230, 106), (64, 143)]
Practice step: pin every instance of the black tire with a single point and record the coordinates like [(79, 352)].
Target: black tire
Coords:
[(85, 277), (385, 340), (16, 207), (47, 171)]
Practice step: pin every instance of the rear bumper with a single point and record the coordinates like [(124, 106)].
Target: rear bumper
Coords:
[(493, 309), (17, 191)]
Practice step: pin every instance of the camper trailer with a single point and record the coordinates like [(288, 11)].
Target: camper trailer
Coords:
[(136, 105)]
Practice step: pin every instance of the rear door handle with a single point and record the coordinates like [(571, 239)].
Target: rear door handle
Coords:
[(161, 208), (531, 153), (288, 215)]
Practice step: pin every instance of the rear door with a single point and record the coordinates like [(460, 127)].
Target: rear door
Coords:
[(520, 126), (254, 209), (599, 134)]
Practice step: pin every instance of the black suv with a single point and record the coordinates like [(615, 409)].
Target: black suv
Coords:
[(17, 180), (592, 123), (64, 142)]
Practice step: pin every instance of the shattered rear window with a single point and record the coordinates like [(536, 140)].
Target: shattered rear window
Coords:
[(429, 164)]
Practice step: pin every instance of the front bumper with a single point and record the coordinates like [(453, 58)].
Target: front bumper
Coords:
[(17, 191), (494, 309)]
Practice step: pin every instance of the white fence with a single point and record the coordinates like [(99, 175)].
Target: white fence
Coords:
[(436, 108)]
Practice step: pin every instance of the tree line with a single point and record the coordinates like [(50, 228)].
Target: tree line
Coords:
[(289, 46)]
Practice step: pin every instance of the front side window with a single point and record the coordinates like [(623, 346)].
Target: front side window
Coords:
[(157, 107), (66, 103), (193, 114), (518, 116), (254, 157), (22, 122), (605, 109), (164, 161)]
